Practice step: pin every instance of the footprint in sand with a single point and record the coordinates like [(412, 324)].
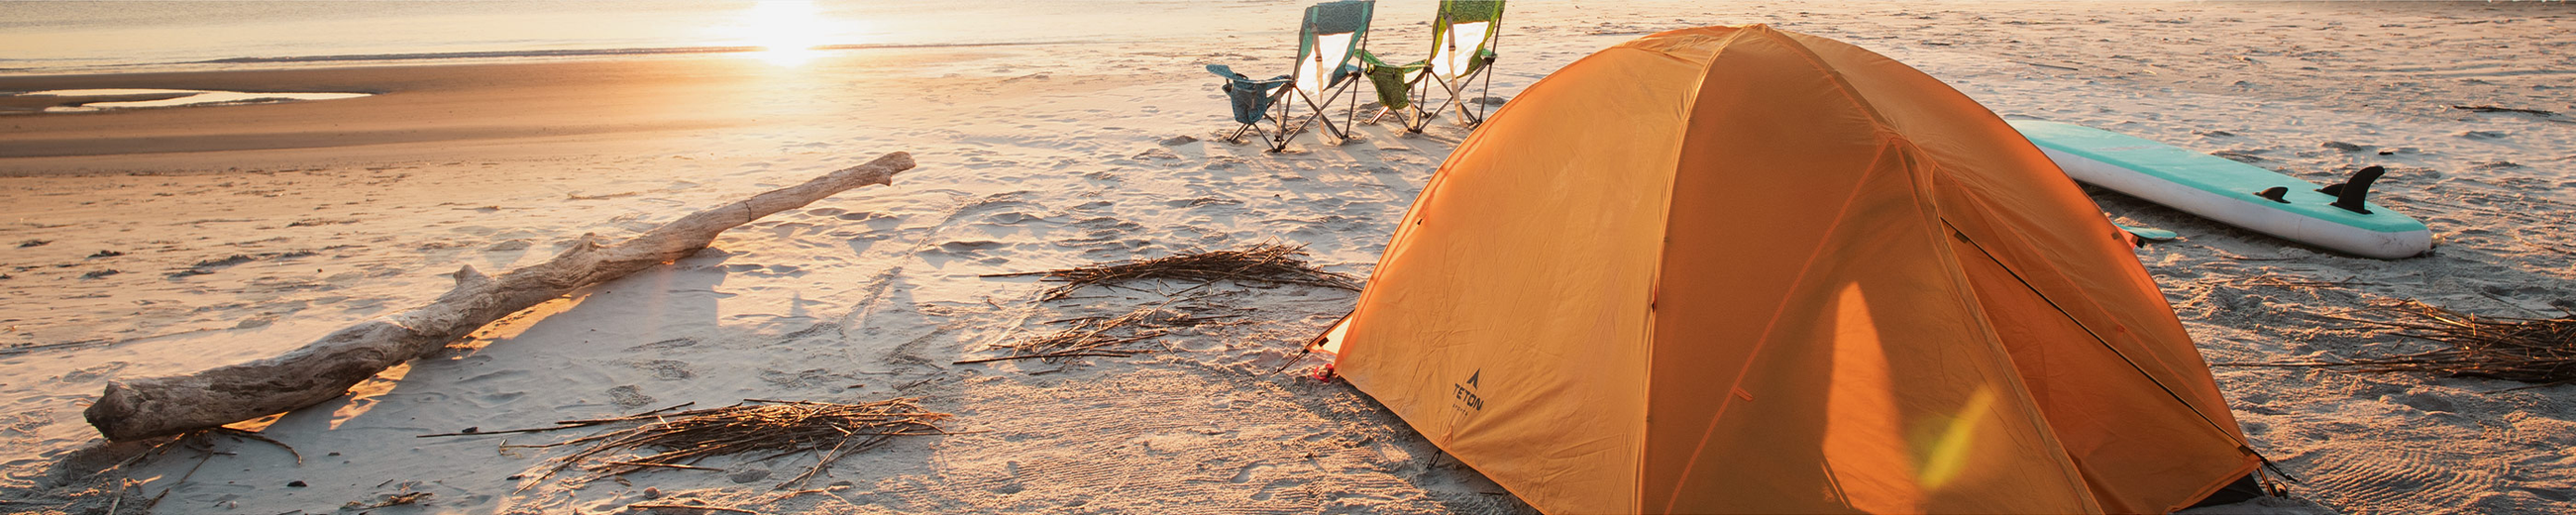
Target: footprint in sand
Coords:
[(801, 378), (629, 397), (664, 369)]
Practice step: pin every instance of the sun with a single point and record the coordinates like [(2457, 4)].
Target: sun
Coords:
[(786, 31)]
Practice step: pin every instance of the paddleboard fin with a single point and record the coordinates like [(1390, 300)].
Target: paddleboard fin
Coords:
[(2351, 193), (2276, 192)]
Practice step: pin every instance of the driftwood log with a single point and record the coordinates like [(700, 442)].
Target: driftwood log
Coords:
[(325, 369)]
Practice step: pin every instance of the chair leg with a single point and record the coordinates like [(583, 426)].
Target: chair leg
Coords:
[(1278, 139), (1287, 115), (1457, 98), (1290, 125), (1421, 93), (1341, 131), (1319, 117), (1332, 134), (1350, 112), (1485, 79), (1446, 104), (1402, 116)]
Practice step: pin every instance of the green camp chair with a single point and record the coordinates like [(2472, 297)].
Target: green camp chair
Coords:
[(1463, 38), (1327, 44)]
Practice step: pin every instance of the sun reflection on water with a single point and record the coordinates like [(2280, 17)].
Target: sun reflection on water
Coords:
[(786, 31)]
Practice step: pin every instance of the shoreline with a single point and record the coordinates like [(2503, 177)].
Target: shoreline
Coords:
[(494, 57), (521, 109), (412, 104)]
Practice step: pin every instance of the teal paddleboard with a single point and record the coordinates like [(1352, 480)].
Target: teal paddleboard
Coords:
[(2231, 192)]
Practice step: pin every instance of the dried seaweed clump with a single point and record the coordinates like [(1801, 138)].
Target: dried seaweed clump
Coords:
[(1102, 336), (1268, 263), (773, 428), (2539, 351)]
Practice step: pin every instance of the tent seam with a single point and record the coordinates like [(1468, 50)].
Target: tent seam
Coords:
[(1655, 285), (1405, 227), (1930, 199), (2242, 443), (1841, 85), (1761, 341), (1880, 129)]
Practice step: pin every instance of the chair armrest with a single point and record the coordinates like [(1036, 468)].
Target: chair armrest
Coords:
[(1229, 74), (1375, 63)]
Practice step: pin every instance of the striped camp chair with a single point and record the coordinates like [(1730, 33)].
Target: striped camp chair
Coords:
[(1463, 38), (1328, 43)]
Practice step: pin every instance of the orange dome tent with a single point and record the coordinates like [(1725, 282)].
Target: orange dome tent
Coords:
[(1736, 269)]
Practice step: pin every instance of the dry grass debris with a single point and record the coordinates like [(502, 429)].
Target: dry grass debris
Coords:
[(764, 428), (1260, 263), (1102, 336), (2530, 350)]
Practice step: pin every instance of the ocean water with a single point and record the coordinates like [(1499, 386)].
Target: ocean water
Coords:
[(52, 37)]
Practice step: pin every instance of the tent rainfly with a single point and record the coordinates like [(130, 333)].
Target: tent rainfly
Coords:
[(1739, 269)]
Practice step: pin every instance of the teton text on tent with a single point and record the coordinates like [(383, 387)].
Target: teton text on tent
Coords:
[(1467, 399)]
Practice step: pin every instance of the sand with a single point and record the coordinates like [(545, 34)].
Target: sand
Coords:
[(237, 232)]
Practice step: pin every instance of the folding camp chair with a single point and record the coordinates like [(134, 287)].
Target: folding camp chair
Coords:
[(1327, 43), (1463, 38), (1251, 98)]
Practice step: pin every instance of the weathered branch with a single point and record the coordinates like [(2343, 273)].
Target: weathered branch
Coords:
[(325, 369)]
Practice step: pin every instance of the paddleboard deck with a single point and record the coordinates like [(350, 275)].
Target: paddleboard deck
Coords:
[(2228, 191)]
